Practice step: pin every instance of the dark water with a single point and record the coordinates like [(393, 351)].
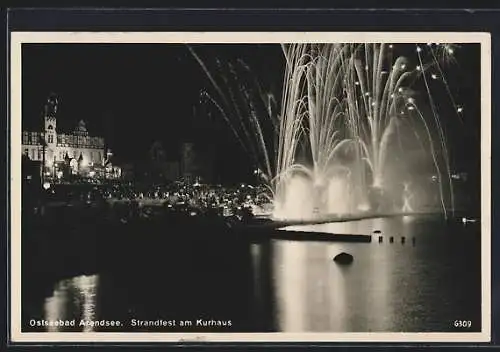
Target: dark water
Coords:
[(423, 284), (170, 270)]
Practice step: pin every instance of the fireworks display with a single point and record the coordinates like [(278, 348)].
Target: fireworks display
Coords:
[(248, 110), (350, 118)]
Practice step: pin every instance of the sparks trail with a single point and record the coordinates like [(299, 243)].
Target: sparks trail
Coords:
[(350, 114), (249, 111)]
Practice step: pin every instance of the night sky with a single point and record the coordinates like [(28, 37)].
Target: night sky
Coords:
[(135, 94)]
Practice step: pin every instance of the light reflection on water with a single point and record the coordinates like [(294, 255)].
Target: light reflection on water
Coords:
[(315, 294), (289, 263), (390, 286), (73, 298)]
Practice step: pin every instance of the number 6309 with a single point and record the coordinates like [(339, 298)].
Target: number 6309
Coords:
[(462, 323)]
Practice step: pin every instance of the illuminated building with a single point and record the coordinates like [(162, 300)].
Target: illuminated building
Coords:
[(68, 154)]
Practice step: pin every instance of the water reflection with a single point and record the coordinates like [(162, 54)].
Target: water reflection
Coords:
[(295, 285), (290, 289), (73, 298), (263, 307), (380, 291)]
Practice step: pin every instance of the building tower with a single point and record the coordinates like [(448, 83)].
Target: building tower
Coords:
[(50, 126)]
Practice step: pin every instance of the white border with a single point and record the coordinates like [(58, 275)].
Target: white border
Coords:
[(18, 38)]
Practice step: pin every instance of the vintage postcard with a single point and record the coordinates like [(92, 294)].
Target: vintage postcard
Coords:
[(253, 187)]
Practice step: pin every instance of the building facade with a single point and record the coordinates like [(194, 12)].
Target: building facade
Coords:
[(65, 154)]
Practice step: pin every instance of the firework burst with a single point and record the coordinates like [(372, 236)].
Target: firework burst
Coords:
[(248, 110), (343, 106), (355, 99)]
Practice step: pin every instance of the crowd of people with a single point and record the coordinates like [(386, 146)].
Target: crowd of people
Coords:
[(194, 198)]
